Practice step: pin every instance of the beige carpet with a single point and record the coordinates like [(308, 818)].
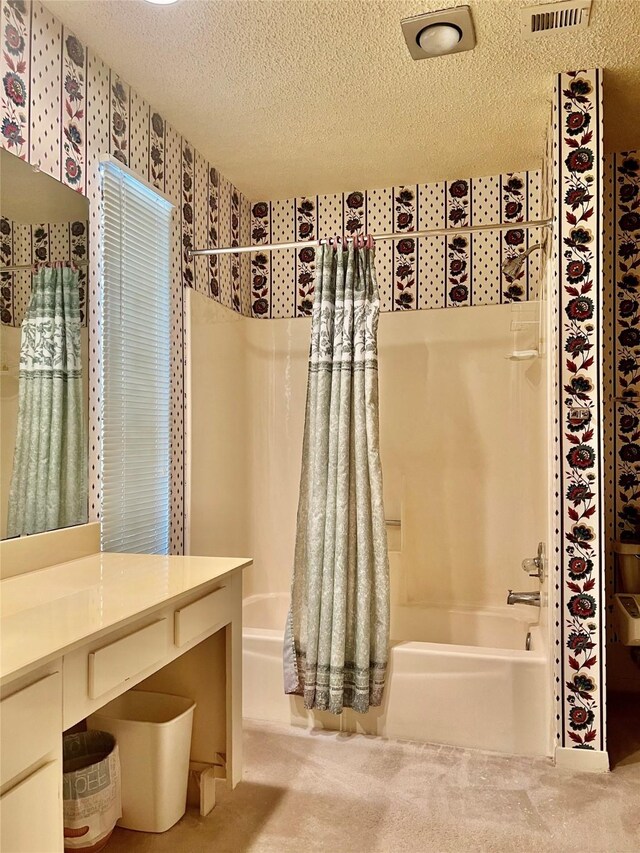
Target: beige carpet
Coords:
[(325, 791)]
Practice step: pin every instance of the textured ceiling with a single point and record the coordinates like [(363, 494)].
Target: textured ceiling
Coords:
[(293, 97)]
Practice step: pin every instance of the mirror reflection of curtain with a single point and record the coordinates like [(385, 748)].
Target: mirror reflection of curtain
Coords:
[(49, 481)]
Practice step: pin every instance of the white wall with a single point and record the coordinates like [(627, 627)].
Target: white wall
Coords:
[(463, 442), (218, 520)]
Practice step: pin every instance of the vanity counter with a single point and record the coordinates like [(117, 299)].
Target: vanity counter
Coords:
[(46, 613), (76, 635)]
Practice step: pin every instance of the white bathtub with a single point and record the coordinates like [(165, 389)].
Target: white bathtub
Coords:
[(457, 676)]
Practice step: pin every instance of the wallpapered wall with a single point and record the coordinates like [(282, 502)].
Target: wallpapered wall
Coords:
[(62, 109), (426, 273), (32, 244)]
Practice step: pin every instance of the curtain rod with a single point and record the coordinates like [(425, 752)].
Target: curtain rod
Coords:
[(18, 267), (403, 235)]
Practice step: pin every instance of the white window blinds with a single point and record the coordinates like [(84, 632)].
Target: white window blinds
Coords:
[(135, 364)]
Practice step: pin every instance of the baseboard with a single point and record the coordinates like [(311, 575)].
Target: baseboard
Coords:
[(587, 760)]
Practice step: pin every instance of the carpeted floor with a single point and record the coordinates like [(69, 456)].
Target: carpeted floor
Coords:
[(324, 791)]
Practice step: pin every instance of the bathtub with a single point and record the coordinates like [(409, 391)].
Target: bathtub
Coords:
[(461, 677)]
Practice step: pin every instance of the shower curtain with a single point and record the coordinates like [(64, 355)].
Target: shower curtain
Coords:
[(49, 480), (337, 633)]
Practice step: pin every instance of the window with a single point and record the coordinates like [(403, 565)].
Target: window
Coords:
[(135, 364)]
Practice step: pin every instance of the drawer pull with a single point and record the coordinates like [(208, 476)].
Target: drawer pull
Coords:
[(203, 615), (120, 661)]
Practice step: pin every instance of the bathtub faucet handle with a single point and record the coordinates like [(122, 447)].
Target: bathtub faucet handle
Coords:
[(534, 566)]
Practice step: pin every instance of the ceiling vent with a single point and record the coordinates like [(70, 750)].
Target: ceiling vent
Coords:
[(572, 14)]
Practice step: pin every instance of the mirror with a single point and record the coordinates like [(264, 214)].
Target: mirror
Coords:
[(44, 345)]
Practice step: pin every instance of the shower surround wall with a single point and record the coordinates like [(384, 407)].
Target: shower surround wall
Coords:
[(464, 454), (463, 439)]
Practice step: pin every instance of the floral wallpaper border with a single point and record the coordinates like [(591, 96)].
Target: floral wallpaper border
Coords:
[(410, 263), (578, 158), (22, 243)]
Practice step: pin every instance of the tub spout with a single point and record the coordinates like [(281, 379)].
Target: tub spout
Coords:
[(532, 598)]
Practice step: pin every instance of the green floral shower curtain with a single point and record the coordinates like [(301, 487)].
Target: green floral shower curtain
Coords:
[(49, 480), (337, 633)]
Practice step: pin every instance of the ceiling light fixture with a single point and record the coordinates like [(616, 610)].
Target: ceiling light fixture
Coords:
[(439, 33), (438, 39), (162, 2)]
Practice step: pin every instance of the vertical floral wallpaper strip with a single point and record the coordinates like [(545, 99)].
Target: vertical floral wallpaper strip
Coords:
[(74, 121), (7, 279), (245, 257), (235, 258), (513, 196), (405, 251), (78, 252), (306, 212), (626, 226), (459, 249), (213, 208), (120, 104), (260, 261), (156, 174), (579, 160), (188, 264), (16, 43)]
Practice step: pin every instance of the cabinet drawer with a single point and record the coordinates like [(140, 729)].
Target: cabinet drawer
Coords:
[(32, 813), (120, 661), (30, 725), (203, 615)]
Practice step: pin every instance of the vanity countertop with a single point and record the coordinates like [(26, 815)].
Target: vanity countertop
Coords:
[(46, 612)]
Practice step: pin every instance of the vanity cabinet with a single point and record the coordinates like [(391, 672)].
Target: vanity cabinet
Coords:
[(75, 636), (31, 765)]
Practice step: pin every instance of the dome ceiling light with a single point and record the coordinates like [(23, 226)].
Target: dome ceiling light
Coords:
[(439, 33)]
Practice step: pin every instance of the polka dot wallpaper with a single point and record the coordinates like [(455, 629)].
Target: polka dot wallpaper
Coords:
[(62, 109), (412, 273)]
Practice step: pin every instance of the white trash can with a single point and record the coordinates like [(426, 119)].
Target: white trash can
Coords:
[(153, 732)]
